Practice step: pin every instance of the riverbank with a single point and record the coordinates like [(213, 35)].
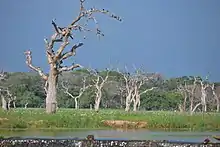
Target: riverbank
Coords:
[(73, 119)]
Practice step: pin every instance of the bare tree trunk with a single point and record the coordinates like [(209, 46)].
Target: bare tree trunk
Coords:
[(76, 103), (121, 101), (4, 103), (14, 105), (203, 99), (218, 105), (51, 99), (9, 104), (191, 103), (135, 106), (128, 101), (98, 100), (136, 99)]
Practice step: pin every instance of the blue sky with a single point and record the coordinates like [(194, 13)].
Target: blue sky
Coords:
[(172, 37)]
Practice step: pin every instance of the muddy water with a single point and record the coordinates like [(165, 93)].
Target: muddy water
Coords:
[(115, 134)]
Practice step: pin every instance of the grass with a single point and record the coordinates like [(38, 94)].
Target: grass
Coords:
[(73, 119)]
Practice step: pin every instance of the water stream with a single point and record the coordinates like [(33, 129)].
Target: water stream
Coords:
[(115, 134)]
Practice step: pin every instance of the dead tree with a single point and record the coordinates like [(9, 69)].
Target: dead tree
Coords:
[(129, 89), (189, 92), (136, 97), (196, 93), (140, 79), (56, 58), (133, 84), (80, 93), (99, 82)]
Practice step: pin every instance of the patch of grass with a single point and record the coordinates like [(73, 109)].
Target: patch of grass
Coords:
[(72, 119)]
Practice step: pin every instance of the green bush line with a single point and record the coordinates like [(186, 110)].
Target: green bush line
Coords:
[(73, 119)]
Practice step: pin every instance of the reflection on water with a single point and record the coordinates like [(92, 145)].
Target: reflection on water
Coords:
[(115, 134)]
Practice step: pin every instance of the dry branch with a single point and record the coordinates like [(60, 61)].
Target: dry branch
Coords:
[(66, 68), (72, 52), (81, 91), (29, 63)]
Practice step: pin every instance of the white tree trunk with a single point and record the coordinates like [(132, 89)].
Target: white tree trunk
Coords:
[(76, 103), (9, 104), (218, 105), (137, 102), (128, 101), (203, 100), (98, 99), (14, 104), (4, 103)]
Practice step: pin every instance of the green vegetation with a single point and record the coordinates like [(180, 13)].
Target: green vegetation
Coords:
[(73, 119), (159, 108), (29, 89)]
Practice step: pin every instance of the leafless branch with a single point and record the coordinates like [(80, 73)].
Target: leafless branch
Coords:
[(72, 52), (99, 82), (29, 63), (66, 68), (81, 91), (66, 90), (147, 90), (88, 15)]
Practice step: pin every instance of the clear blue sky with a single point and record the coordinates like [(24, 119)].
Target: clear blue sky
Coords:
[(172, 37)]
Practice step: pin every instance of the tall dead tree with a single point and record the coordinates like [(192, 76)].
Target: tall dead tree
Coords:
[(99, 82), (80, 93), (56, 58)]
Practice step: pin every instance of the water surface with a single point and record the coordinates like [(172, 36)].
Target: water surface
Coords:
[(115, 134)]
